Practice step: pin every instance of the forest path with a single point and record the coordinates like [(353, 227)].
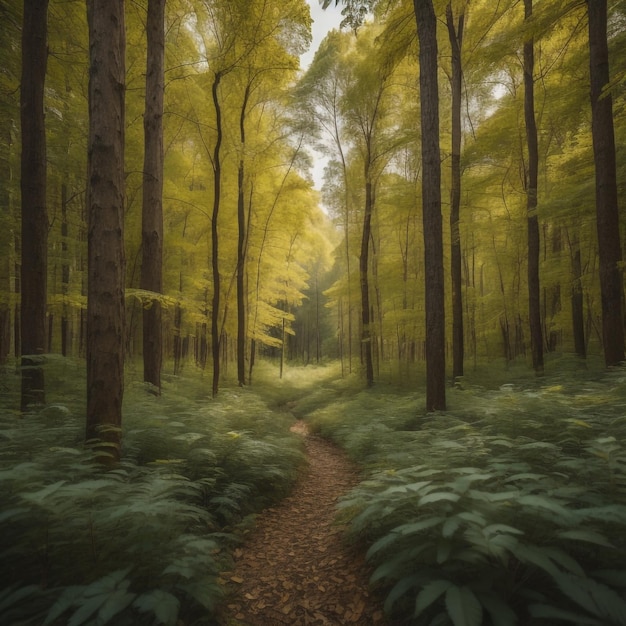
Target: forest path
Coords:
[(295, 568)]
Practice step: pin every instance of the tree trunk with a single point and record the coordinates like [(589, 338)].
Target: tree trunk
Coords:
[(34, 238), (455, 35), (607, 213), (106, 263), (366, 337), (65, 275), (578, 315), (152, 205), (241, 247), (6, 242), (431, 207), (534, 290), (217, 190)]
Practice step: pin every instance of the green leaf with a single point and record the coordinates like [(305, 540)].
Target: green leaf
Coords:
[(39, 496), (399, 589), (438, 497), (164, 605), (69, 597), (450, 526), (588, 536), (417, 527), (382, 543), (463, 607), (500, 612), (87, 607), (595, 598), (430, 594), (498, 529), (396, 566), (115, 604), (14, 595), (544, 611), (544, 502)]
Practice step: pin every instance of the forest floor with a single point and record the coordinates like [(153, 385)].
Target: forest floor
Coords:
[(295, 567)]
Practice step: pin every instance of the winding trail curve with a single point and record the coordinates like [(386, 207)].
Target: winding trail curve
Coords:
[(295, 568)]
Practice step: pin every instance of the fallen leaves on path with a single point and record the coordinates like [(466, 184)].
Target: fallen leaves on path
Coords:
[(295, 568)]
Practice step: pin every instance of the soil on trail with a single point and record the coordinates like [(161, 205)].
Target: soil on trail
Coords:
[(295, 568)]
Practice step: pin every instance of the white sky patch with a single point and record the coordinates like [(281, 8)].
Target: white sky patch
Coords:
[(323, 22)]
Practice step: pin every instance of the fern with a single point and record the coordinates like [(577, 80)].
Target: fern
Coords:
[(143, 543), (515, 510)]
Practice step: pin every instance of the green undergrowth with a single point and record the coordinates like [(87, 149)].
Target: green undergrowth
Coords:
[(142, 543), (508, 508)]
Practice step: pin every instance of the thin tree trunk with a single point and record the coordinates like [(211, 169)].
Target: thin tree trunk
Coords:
[(65, 275), (106, 263), (534, 290), (217, 190), (241, 247), (6, 242), (152, 205), (431, 206), (577, 302), (607, 212), (366, 336), (34, 240), (455, 35)]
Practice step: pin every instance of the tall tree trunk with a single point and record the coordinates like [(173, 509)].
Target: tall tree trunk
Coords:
[(366, 335), (534, 290), (578, 315), (106, 263), (65, 274), (33, 188), (431, 207), (6, 258), (455, 35), (607, 212), (217, 190), (241, 247), (152, 205)]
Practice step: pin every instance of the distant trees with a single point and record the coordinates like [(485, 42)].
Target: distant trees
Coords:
[(513, 147), (222, 230)]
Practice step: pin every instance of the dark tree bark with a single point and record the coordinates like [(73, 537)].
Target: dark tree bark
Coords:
[(65, 274), (607, 212), (34, 240), (217, 191), (534, 290), (455, 35), (6, 240), (152, 207), (578, 315), (105, 239), (431, 206), (241, 246), (366, 334)]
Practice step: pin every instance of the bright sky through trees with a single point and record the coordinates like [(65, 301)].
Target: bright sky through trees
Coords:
[(323, 22)]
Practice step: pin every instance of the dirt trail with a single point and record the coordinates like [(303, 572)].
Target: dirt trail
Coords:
[(295, 568)]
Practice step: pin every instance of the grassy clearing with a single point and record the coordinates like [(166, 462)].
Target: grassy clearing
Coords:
[(509, 508), (143, 543)]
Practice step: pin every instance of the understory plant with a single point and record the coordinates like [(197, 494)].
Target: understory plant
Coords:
[(509, 508), (144, 542)]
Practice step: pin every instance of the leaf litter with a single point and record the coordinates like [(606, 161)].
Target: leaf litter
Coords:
[(295, 567)]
